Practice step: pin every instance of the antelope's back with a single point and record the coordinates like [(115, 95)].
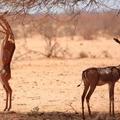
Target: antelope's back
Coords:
[(101, 76), (109, 74)]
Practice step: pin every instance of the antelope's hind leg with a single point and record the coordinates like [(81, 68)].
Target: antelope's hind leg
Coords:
[(86, 87), (8, 96), (92, 88), (6, 106)]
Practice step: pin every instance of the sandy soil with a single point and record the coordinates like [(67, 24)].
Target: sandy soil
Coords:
[(46, 89)]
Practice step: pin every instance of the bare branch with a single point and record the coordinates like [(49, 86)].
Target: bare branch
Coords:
[(26, 6)]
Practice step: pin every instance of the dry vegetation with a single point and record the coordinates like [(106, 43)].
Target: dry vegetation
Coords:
[(45, 89), (54, 31), (87, 25)]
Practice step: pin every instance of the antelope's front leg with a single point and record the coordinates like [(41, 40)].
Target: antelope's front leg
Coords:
[(112, 100), (111, 97), (6, 106)]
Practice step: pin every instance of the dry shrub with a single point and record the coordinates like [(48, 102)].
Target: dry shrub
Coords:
[(88, 25), (83, 54), (106, 54), (34, 111)]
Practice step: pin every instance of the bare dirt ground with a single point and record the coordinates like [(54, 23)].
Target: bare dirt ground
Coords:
[(46, 89)]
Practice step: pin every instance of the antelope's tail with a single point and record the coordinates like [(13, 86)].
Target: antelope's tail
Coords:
[(83, 77), (79, 84)]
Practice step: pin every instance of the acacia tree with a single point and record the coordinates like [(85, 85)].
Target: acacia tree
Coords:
[(36, 6), (18, 7)]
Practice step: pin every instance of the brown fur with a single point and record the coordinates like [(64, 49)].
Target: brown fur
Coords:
[(7, 49), (93, 77)]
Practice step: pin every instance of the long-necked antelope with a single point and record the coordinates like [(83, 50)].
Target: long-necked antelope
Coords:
[(7, 48), (93, 77)]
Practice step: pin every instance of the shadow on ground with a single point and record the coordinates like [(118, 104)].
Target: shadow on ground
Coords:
[(55, 116)]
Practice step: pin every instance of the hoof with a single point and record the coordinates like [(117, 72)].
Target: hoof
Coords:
[(6, 110)]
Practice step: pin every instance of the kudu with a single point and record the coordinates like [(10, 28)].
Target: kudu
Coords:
[(7, 48), (93, 77)]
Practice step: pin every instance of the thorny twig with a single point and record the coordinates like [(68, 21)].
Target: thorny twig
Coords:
[(73, 108)]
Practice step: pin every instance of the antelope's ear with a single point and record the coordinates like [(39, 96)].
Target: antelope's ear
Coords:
[(116, 40)]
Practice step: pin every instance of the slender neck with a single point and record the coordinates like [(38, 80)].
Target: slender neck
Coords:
[(1, 53)]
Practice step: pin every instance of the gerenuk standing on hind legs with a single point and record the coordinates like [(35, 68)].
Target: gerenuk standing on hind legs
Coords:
[(7, 48)]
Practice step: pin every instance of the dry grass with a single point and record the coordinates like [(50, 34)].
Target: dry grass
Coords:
[(54, 116)]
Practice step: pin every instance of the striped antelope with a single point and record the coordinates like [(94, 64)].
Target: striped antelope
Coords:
[(93, 77), (7, 48)]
